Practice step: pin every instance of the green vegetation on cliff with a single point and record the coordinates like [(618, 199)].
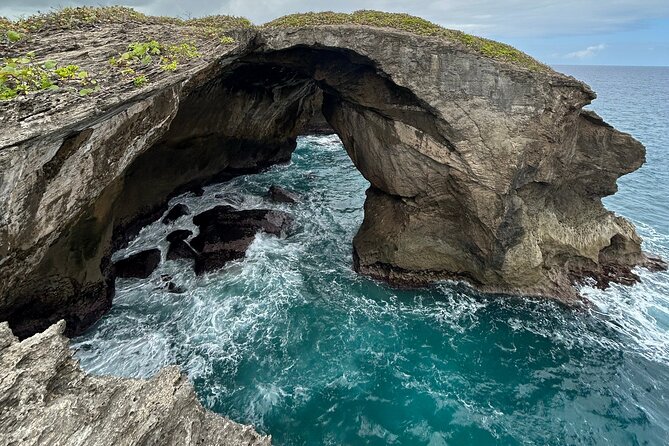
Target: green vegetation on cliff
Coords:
[(8, 31), (411, 24), (27, 72), (23, 75), (87, 16), (142, 56)]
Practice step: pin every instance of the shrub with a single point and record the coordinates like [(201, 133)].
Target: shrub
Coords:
[(142, 55), (88, 16), (13, 36), (220, 22), (23, 75), (215, 26), (140, 80)]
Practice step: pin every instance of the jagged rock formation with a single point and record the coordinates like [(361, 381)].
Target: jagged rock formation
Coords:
[(139, 265), (225, 233), (481, 169), (179, 248), (46, 399)]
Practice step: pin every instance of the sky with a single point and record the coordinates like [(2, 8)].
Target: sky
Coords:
[(567, 32)]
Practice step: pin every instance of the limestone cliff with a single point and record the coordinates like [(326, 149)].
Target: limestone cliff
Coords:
[(482, 169), (46, 399)]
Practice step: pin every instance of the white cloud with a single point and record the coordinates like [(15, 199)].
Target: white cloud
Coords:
[(586, 53)]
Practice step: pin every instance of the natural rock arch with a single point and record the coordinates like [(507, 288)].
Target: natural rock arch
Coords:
[(481, 170)]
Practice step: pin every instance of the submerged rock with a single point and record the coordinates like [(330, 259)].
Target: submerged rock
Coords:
[(174, 288), (175, 213), (139, 265), (226, 233), (281, 195), (180, 249), (46, 399)]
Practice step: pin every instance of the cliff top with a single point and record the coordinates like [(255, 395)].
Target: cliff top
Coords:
[(411, 24), (12, 32), (99, 57)]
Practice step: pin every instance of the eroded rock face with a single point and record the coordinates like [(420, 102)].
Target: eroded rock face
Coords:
[(226, 233), (179, 248), (45, 398), (481, 170), (139, 265)]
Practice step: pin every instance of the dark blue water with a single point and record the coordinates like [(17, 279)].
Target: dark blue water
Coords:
[(291, 340)]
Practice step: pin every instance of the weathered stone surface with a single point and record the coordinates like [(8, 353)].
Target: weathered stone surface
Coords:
[(317, 125), (481, 170), (281, 195), (226, 233), (179, 247), (175, 213), (139, 265), (46, 399), (178, 235)]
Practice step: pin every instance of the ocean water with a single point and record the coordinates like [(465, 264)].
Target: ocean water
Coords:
[(291, 340)]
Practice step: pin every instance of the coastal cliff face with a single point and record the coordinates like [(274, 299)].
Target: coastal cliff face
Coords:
[(45, 398), (481, 170)]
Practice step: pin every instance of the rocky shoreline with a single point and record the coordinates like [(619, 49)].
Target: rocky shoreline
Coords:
[(47, 399), (483, 166)]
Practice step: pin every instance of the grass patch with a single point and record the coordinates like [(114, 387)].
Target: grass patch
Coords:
[(9, 32), (220, 22), (87, 16), (215, 27), (414, 25), (143, 56), (90, 16), (23, 76)]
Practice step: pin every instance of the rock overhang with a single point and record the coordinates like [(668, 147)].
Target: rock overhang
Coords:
[(482, 169)]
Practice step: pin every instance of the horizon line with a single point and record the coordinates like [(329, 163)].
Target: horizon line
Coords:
[(607, 65)]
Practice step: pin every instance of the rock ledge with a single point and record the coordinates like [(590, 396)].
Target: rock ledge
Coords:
[(46, 399)]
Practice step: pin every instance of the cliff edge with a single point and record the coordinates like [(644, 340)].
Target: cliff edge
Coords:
[(46, 399)]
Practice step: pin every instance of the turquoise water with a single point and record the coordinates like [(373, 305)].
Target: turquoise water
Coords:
[(291, 340)]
